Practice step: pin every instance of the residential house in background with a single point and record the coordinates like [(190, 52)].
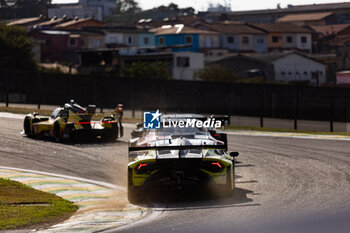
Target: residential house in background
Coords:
[(321, 18), (295, 67), (289, 67), (329, 30), (77, 23), (128, 37), (50, 23), (241, 65), (341, 11), (107, 6), (179, 65), (72, 10), (283, 36), (237, 37), (183, 38), (146, 39), (27, 22), (323, 35), (186, 64), (188, 20), (95, 9), (57, 46), (92, 39)]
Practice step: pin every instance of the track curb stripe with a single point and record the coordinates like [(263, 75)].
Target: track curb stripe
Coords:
[(101, 205)]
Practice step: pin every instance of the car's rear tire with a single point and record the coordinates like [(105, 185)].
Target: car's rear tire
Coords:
[(57, 135), (225, 190), (68, 133), (110, 134), (134, 194), (27, 126)]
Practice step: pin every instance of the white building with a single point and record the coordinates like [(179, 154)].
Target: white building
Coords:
[(284, 67), (218, 8), (186, 64), (95, 9), (76, 11), (295, 67), (107, 6)]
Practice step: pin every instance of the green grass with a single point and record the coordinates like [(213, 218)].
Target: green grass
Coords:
[(24, 207), (264, 129)]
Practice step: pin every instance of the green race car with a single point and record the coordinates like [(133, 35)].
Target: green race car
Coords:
[(181, 159), (74, 122)]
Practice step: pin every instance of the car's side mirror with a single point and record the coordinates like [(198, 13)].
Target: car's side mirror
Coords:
[(234, 154)]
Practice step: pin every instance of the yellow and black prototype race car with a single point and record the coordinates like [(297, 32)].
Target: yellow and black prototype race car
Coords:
[(74, 122), (179, 160)]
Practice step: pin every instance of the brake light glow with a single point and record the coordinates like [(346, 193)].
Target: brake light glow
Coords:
[(216, 135), (141, 165), (95, 122), (217, 164)]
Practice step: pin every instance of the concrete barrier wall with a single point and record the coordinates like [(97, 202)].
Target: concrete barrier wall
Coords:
[(254, 100)]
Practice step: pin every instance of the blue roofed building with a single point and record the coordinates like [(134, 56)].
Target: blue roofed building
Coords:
[(182, 38)]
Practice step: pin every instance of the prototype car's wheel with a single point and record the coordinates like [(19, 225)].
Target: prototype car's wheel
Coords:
[(114, 134), (111, 134), (27, 127), (57, 132), (68, 133)]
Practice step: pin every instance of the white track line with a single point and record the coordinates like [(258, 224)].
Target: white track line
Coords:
[(104, 184), (153, 213)]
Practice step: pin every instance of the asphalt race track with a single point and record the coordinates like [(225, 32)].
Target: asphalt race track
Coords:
[(282, 184)]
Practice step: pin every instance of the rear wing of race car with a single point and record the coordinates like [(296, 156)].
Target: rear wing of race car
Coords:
[(184, 147)]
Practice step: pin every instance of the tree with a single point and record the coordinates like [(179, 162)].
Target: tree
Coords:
[(16, 49), (31, 8), (187, 11), (125, 12), (26, 8), (127, 6), (173, 7), (3, 4), (216, 73), (156, 69)]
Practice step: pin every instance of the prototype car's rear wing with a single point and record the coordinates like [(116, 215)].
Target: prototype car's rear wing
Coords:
[(224, 119)]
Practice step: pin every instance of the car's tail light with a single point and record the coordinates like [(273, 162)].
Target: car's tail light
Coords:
[(217, 164), (213, 166), (145, 168)]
